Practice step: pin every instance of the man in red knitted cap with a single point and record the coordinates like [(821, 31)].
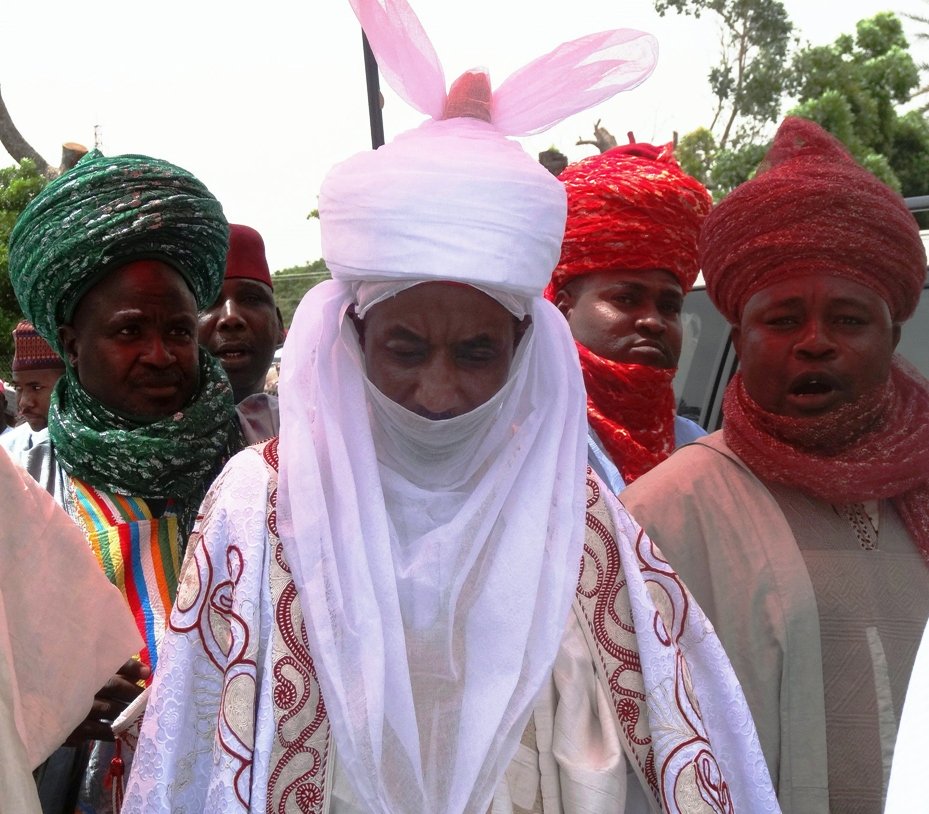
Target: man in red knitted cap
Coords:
[(628, 258), (36, 370), (244, 327), (802, 528)]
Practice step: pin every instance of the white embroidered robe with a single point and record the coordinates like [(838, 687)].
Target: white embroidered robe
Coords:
[(237, 723)]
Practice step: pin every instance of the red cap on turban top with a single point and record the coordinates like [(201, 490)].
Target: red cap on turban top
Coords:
[(811, 210), (631, 208), (246, 257)]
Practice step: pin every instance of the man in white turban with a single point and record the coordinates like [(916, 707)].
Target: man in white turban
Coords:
[(419, 599)]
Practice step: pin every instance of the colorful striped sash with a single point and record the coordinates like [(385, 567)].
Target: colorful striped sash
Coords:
[(140, 555)]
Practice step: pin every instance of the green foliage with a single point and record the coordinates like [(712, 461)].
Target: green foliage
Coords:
[(719, 170), (695, 152), (749, 77), (911, 153), (853, 88), (292, 283), (18, 186), (733, 167)]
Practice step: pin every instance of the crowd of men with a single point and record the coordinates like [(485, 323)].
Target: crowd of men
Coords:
[(471, 560)]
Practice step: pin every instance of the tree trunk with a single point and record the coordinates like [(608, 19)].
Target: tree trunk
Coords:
[(603, 139), (15, 144), (71, 153)]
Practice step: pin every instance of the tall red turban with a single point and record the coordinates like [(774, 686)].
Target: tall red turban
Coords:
[(811, 210), (631, 208)]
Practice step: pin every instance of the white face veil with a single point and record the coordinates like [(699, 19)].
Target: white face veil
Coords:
[(436, 561)]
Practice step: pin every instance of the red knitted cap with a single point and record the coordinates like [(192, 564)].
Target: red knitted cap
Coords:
[(631, 208), (31, 351), (811, 210), (246, 257)]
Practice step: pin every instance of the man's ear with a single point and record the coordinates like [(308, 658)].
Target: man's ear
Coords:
[(564, 301), (67, 337), (735, 334)]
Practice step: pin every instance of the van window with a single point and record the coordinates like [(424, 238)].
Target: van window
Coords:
[(704, 366)]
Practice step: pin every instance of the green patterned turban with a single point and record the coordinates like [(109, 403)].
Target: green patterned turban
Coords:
[(103, 214)]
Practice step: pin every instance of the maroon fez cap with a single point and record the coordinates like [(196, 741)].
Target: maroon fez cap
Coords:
[(246, 257)]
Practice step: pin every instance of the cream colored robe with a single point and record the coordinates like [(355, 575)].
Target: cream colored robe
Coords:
[(58, 646), (724, 531)]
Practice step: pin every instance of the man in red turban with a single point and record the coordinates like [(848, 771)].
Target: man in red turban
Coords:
[(628, 258), (803, 526)]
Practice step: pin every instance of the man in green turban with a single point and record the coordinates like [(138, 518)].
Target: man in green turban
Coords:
[(111, 263)]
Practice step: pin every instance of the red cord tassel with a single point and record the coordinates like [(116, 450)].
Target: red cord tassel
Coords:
[(115, 778)]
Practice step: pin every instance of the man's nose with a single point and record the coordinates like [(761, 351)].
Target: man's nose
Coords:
[(230, 316), (159, 353), (437, 392), (815, 340), (651, 321)]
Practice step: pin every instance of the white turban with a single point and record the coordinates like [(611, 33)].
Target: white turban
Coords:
[(450, 200)]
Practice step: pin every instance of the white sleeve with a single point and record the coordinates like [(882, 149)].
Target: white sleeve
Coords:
[(196, 746)]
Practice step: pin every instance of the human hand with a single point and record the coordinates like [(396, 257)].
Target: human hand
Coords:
[(109, 702)]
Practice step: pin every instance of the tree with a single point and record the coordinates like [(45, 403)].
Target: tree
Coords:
[(755, 39), (854, 87), (292, 283), (21, 150), (18, 186)]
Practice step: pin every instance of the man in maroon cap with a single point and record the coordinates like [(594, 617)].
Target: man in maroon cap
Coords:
[(244, 327), (802, 528), (628, 257), (36, 370)]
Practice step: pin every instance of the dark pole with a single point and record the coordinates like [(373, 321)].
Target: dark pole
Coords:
[(375, 115)]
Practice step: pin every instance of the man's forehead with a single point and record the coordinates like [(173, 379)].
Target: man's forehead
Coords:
[(34, 374), (448, 304), (237, 284), (658, 279)]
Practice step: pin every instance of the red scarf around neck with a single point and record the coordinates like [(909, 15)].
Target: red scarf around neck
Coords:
[(631, 408), (875, 447)]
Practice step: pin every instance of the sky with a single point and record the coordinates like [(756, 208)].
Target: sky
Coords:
[(260, 100)]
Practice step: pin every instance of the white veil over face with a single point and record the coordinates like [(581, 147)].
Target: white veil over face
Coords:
[(436, 561)]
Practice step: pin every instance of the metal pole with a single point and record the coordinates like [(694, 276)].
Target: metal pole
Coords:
[(375, 115)]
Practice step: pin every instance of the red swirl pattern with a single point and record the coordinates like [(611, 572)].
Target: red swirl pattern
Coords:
[(205, 607), (300, 750), (683, 775)]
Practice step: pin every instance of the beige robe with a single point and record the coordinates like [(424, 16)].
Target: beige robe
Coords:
[(57, 646), (733, 541)]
